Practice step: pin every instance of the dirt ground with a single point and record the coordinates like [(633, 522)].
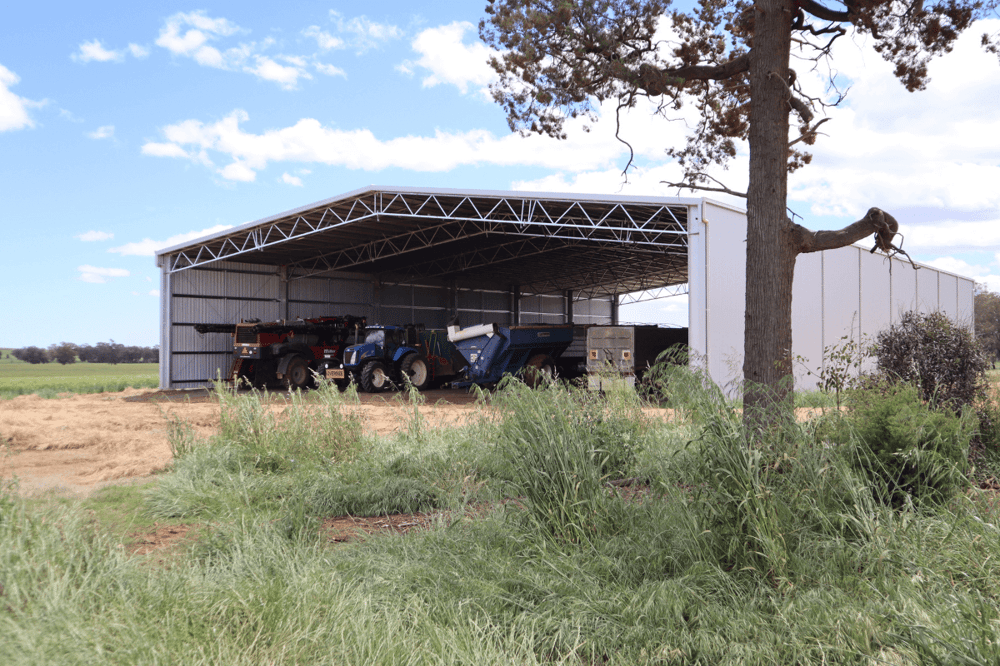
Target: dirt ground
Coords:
[(77, 443)]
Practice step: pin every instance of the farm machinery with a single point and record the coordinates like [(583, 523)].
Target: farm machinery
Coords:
[(389, 353), (288, 351)]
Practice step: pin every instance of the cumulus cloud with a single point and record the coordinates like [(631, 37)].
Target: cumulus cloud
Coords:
[(363, 33), (308, 141), (103, 132), (890, 148), (448, 59), (92, 236), (289, 179), (147, 247), (287, 75), (324, 40), (329, 70), (97, 275), (13, 109), (94, 51), (189, 35)]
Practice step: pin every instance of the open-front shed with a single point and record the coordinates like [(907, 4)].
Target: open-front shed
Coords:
[(417, 255)]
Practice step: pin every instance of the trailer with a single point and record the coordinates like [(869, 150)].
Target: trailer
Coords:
[(624, 353), (493, 351)]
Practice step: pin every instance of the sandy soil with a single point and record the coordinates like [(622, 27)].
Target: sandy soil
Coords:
[(81, 442)]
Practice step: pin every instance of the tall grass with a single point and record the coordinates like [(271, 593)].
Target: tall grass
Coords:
[(738, 549)]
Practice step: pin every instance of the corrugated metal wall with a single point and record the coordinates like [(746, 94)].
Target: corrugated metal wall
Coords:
[(228, 292), (836, 293)]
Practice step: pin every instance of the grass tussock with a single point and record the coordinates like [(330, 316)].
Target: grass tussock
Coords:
[(728, 549)]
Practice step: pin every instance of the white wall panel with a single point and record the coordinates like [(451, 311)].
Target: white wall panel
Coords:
[(807, 318), (725, 284), (947, 293), (841, 294), (927, 291), (876, 307), (904, 289), (966, 302)]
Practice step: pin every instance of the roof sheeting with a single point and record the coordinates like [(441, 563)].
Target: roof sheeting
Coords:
[(544, 242)]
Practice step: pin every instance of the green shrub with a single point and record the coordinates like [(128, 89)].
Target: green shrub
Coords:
[(940, 357), (908, 448)]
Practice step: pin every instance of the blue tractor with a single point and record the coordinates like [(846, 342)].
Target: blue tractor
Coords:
[(390, 353)]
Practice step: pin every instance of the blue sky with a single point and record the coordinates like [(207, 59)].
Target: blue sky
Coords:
[(128, 127)]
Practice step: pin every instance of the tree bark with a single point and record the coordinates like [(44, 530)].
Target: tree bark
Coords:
[(771, 238)]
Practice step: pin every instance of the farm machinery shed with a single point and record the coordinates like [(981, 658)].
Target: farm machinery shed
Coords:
[(416, 255)]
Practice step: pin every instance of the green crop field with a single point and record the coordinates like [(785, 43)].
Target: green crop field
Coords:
[(51, 379)]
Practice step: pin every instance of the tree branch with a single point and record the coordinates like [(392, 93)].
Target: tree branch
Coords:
[(655, 81), (825, 13), (875, 221), (694, 186)]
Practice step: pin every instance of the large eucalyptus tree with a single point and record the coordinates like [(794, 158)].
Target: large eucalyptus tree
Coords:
[(731, 59)]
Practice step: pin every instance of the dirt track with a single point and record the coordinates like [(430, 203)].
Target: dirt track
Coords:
[(81, 442)]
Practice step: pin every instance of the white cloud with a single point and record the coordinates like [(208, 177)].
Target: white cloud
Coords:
[(97, 275), (163, 150), (889, 148), (449, 59), (13, 109), (365, 33), (308, 141), (147, 247), (289, 179), (92, 236), (154, 292), (103, 132), (329, 70), (188, 34), (95, 51), (287, 76), (951, 234), (324, 40)]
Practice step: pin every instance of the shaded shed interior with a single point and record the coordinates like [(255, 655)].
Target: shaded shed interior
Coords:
[(541, 243)]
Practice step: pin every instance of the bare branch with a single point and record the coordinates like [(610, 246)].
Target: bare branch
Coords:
[(809, 133), (694, 186), (656, 81)]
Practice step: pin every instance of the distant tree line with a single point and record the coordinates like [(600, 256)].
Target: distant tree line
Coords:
[(987, 306), (102, 352)]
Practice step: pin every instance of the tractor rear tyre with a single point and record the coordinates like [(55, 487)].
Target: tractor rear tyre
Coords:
[(375, 378), (417, 369), (297, 374), (539, 370)]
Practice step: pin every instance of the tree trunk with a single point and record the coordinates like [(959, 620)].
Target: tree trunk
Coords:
[(771, 243)]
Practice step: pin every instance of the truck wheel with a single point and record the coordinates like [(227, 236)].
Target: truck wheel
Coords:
[(297, 374), (417, 368), (540, 369), (375, 377)]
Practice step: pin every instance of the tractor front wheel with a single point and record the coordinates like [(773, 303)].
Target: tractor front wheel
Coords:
[(375, 378), (417, 369)]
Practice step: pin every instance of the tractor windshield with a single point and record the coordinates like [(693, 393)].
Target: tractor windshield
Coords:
[(375, 337)]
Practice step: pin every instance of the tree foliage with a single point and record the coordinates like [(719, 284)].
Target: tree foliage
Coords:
[(941, 358), (987, 314), (558, 59), (33, 355)]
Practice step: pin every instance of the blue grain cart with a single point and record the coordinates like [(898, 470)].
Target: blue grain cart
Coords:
[(493, 351)]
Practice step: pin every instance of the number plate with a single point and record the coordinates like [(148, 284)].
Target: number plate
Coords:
[(335, 373)]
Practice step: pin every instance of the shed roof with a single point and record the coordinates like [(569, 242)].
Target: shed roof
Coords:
[(543, 242)]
